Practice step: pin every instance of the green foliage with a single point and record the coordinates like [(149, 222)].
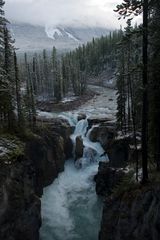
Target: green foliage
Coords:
[(129, 79), (53, 77), (129, 8), (10, 149), (10, 99)]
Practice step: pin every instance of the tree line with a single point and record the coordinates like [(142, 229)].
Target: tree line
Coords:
[(134, 54), (138, 79), (46, 76), (54, 76)]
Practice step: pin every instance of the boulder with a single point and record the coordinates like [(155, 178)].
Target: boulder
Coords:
[(81, 116), (103, 134), (90, 154), (79, 147)]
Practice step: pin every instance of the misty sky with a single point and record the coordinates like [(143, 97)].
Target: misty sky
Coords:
[(66, 12)]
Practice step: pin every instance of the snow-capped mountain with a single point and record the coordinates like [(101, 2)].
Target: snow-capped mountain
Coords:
[(56, 33), (34, 38)]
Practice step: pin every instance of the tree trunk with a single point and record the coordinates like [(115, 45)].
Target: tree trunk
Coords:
[(145, 94)]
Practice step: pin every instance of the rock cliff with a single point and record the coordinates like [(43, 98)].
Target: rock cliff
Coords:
[(25, 169), (131, 210), (134, 215)]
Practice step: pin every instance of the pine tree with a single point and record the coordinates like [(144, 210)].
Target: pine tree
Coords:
[(145, 94), (154, 84), (128, 8), (8, 69), (30, 97), (18, 94)]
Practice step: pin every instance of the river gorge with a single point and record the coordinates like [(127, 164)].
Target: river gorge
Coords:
[(71, 209)]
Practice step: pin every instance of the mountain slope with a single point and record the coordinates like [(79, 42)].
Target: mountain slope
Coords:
[(34, 38)]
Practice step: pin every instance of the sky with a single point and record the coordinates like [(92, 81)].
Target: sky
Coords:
[(64, 12)]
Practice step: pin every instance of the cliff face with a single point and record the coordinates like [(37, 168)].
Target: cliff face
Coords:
[(134, 215), (131, 210), (19, 206), (22, 178)]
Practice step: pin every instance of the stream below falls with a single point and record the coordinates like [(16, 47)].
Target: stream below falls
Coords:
[(71, 209)]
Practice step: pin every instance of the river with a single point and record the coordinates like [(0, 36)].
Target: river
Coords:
[(71, 209)]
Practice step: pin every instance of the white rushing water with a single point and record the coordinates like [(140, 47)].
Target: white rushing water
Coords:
[(71, 209)]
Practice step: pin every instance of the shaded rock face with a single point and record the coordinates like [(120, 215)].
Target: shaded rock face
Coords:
[(78, 147), (118, 153), (134, 215), (103, 134), (117, 149), (81, 116), (48, 157), (62, 127), (107, 178), (99, 120), (20, 216), (22, 181), (129, 214)]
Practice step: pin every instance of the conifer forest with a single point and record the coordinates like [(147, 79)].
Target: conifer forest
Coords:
[(80, 130)]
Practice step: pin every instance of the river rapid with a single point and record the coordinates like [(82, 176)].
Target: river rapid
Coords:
[(71, 209)]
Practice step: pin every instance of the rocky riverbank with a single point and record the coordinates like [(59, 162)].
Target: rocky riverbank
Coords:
[(25, 168), (134, 213), (131, 210), (67, 104)]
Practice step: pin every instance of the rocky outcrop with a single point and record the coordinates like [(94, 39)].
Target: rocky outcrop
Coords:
[(107, 178), (131, 210), (81, 116), (48, 157), (20, 216), (118, 153), (103, 133), (78, 147), (135, 214), (25, 168), (62, 128), (99, 120), (117, 149)]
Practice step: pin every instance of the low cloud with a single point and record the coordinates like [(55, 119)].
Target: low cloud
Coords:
[(64, 12)]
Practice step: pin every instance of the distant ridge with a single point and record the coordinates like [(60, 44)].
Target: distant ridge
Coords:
[(34, 38)]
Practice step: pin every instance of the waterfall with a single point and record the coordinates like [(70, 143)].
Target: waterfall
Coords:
[(71, 209)]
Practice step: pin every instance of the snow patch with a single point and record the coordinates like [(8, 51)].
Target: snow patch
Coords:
[(53, 32), (71, 36), (45, 114), (68, 99)]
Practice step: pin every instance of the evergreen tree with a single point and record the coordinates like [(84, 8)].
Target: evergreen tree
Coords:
[(154, 84), (18, 94), (128, 8)]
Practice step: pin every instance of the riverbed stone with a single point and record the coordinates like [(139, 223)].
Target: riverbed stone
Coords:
[(104, 133), (81, 116), (79, 147)]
